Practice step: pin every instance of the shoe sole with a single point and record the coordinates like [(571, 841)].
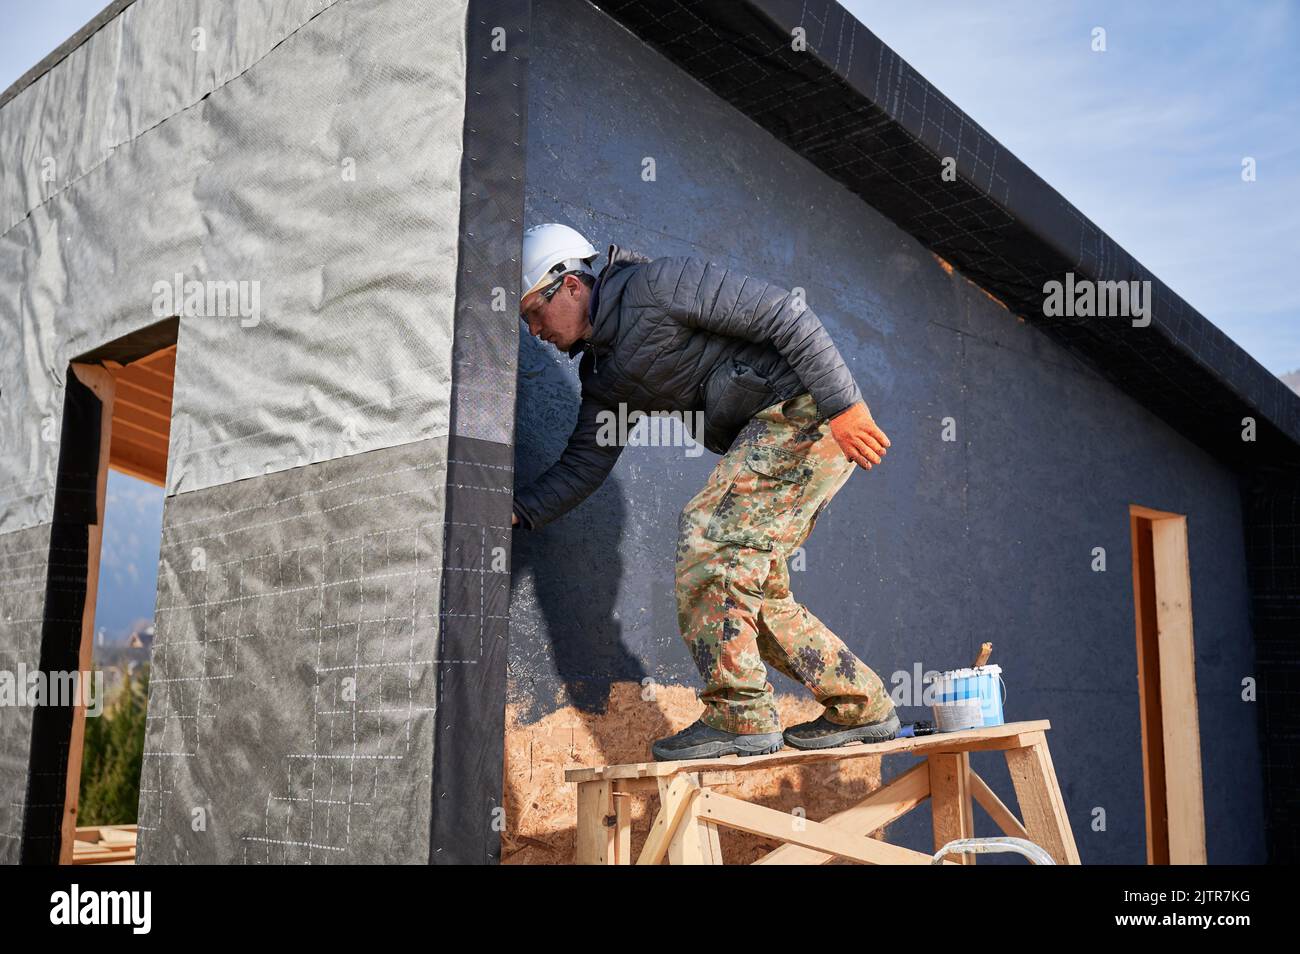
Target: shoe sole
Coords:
[(881, 731), (757, 745)]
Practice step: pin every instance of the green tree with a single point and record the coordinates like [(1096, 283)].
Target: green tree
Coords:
[(112, 757)]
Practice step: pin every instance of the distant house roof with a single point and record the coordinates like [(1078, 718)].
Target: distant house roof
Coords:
[(858, 111), (141, 638)]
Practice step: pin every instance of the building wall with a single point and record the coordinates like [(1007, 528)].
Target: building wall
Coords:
[(25, 565), (315, 150), (181, 144), (950, 543), (1273, 550)]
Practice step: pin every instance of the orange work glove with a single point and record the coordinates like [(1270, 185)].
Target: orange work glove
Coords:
[(859, 436)]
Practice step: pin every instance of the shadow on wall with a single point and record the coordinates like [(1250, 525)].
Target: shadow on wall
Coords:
[(567, 643)]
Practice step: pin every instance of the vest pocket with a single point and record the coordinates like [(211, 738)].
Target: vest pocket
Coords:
[(757, 505)]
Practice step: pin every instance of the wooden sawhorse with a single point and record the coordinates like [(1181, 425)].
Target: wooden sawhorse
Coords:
[(690, 812)]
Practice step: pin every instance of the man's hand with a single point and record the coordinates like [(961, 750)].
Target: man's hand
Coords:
[(859, 436), (514, 519)]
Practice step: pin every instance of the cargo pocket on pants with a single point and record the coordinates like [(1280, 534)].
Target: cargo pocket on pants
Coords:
[(757, 505)]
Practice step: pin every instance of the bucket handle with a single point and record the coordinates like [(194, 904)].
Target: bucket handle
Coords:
[(1004, 692)]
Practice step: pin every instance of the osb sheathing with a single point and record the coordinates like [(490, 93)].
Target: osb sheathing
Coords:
[(540, 805)]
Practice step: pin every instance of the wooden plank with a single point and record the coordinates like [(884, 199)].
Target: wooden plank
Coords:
[(153, 470), (131, 459), (712, 844), (1147, 630), (883, 806), (595, 837), (686, 846), (709, 779), (999, 737), (638, 786), (950, 802), (758, 820), (157, 426), (104, 858), (162, 361), (672, 805), (138, 442), (1184, 797), (151, 377), (151, 390), (147, 411), (1041, 804), (1002, 816), (142, 431), (622, 824), (1150, 514), (100, 381), (117, 835), (142, 416)]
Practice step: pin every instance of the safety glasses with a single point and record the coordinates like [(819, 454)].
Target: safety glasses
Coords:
[(547, 293)]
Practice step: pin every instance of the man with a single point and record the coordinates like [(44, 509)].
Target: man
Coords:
[(780, 406)]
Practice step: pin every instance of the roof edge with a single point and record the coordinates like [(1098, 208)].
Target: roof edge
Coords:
[(872, 122)]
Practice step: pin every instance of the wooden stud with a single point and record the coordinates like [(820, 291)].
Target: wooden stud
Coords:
[(950, 801), (1001, 815), (1184, 797), (687, 844), (595, 837), (712, 844), (733, 813), (1146, 629), (100, 381), (886, 804), (672, 805), (1041, 803), (622, 824)]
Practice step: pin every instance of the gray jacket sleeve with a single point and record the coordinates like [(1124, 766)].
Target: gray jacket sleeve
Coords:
[(700, 294), (583, 466)]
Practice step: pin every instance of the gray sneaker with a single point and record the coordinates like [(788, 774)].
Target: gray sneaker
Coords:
[(821, 733), (700, 741)]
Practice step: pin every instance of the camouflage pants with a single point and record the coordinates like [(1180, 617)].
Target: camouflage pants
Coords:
[(734, 604)]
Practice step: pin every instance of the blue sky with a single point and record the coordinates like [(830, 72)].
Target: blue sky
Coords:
[(1146, 138), (31, 30), (128, 561)]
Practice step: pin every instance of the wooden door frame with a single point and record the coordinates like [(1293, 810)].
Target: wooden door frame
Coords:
[(100, 381), (1166, 672)]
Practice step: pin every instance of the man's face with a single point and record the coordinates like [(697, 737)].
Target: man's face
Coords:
[(563, 320)]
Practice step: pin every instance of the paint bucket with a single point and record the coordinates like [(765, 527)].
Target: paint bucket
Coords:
[(969, 698)]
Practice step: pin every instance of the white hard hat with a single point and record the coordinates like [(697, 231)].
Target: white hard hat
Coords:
[(550, 250)]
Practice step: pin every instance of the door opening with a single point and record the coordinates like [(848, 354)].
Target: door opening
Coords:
[(1166, 672), (117, 416)]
